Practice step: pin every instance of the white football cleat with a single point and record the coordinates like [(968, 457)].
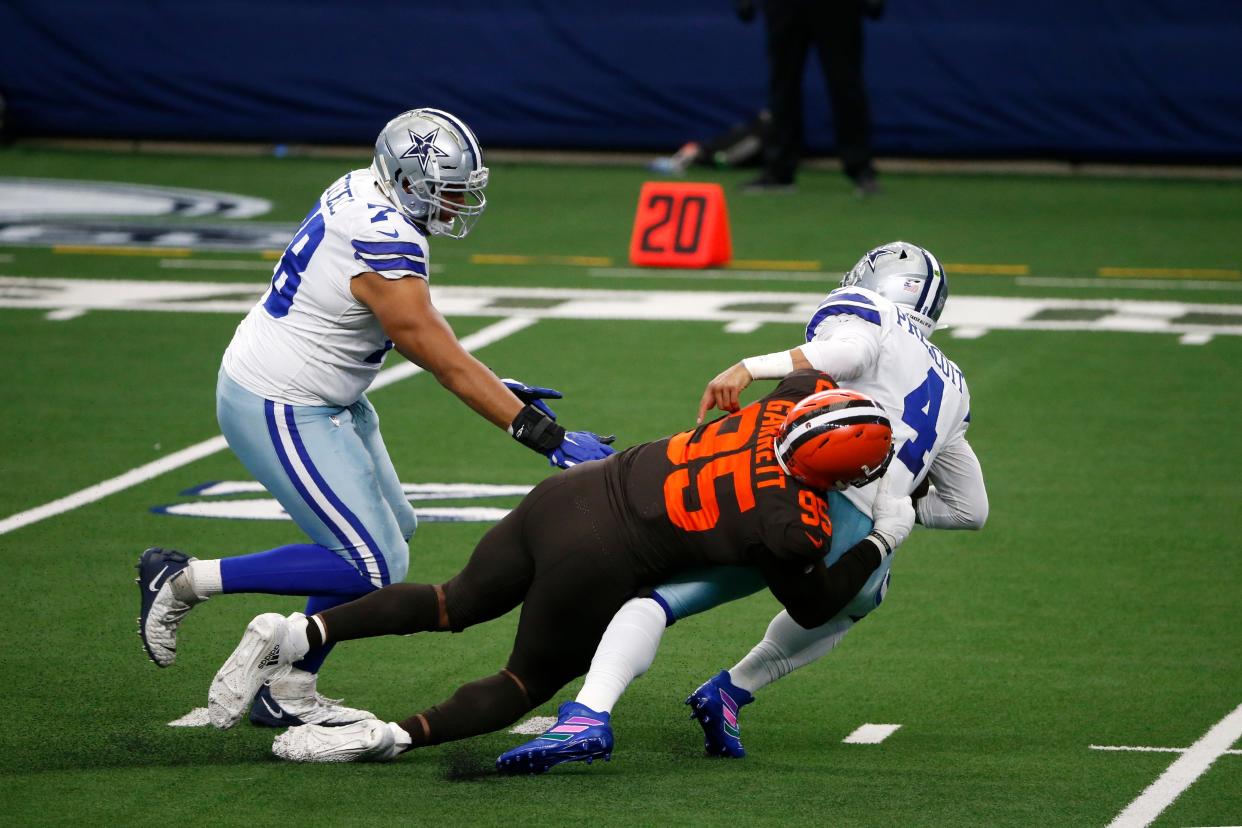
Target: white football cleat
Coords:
[(366, 741), (294, 700), (263, 655)]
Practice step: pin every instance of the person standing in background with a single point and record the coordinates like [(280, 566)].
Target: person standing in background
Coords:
[(835, 29)]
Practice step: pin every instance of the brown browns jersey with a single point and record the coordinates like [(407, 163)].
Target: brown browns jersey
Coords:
[(716, 495)]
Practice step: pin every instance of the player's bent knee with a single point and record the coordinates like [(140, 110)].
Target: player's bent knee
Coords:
[(407, 521), (396, 553), (398, 566)]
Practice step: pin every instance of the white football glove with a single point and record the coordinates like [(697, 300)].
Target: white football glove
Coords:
[(893, 516)]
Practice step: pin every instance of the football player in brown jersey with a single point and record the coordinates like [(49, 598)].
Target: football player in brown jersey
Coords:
[(746, 489)]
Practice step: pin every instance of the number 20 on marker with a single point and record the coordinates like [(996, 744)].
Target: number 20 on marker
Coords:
[(679, 224)]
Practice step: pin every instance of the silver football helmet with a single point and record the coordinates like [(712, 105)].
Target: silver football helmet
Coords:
[(429, 163), (906, 275)]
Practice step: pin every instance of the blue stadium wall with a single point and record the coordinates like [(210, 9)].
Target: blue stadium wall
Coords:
[(1063, 78)]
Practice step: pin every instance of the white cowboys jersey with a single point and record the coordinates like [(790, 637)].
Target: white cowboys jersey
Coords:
[(309, 341), (885, 356)]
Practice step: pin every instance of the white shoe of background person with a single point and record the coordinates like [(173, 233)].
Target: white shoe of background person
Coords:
[(264, 655), (366, 741)]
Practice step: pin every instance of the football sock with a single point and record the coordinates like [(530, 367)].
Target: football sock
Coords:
[(625, 652), (298, 569), (478, 707), (398, 609), (786, 647), (205, 578), (318, 652), (297, 627)]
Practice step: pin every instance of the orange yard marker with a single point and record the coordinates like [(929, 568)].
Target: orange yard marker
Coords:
[(679, 224)]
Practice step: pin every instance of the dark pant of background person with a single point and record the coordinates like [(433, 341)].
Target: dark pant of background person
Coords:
[(834, 28)]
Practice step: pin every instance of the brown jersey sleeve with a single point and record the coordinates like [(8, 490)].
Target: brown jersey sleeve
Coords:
[(813, 593), (796, 525)]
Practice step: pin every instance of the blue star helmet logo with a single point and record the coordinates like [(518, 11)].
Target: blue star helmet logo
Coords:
[(877, 253), (423, 147)]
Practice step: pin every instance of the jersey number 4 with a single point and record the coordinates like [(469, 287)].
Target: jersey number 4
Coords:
[(921, 413)]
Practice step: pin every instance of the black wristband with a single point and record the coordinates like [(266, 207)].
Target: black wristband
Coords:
[(881, 544), (871, 545), (536, 430)]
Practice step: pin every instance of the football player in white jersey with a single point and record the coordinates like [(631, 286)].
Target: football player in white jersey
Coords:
[(351, 285), (871, 334)]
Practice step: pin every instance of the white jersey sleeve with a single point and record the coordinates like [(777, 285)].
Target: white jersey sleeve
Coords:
[(923, 391), (308, 341), (845, 347), (957, 498)]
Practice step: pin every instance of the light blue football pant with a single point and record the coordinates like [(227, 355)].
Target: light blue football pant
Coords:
[(702, 589), (328, 467)]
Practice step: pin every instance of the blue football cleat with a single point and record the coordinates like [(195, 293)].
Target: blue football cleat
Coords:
[(162, 607), (580, 734), (267, 712), (715, 705), (293, 700)]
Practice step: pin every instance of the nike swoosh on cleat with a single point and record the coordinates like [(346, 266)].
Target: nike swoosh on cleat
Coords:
[(155, 584), (277, 714)]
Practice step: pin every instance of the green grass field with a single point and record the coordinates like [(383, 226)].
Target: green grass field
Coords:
[(1101, 605)]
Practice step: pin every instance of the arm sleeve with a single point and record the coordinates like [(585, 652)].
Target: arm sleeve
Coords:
[(813, 593), (845, 347), (957, 498)]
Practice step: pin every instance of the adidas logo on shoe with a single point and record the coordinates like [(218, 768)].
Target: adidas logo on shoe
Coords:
[(272, 657)]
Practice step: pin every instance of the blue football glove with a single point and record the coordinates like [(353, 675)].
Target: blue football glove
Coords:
[(533, 395), (580, 447)]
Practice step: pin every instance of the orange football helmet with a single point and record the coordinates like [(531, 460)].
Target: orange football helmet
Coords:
[(835, 439)]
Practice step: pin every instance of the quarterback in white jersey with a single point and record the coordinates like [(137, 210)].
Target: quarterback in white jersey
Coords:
[(868, 343), (290, 399), (870, 335)]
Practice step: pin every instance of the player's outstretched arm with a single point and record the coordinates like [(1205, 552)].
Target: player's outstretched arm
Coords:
[(724, 392), (422, 335)]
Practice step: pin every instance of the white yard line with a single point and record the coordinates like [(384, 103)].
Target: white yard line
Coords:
[(133, 477), (1180, 775), (969, 313), (101, 490), (871, 734)]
